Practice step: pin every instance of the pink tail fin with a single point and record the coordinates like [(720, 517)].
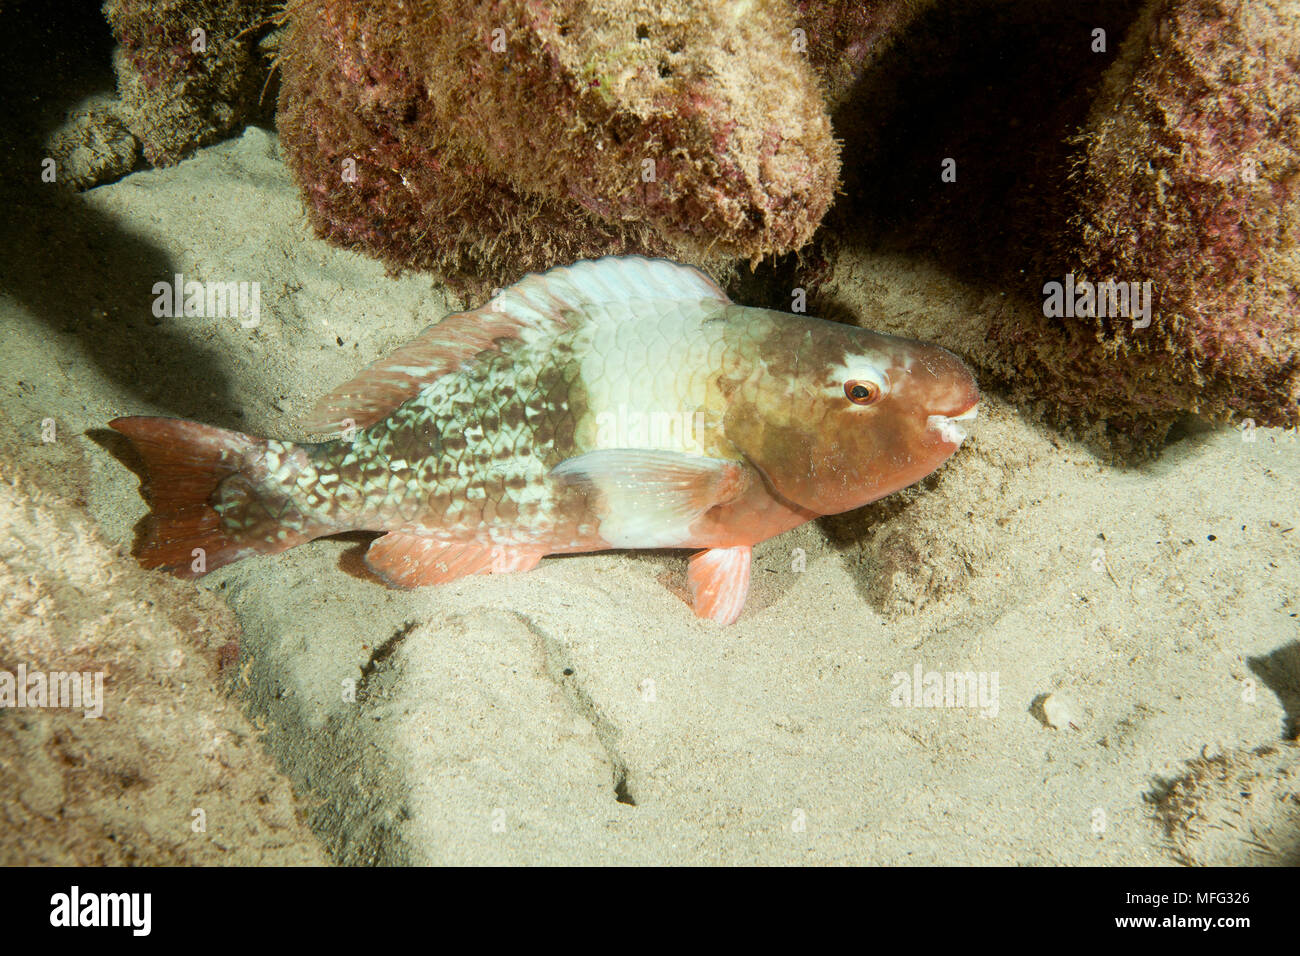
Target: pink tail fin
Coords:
[(186, 462)]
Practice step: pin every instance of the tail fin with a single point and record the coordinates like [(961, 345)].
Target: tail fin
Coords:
[(186, 463)]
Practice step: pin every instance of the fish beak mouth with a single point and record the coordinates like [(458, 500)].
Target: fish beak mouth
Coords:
[(951, 428)]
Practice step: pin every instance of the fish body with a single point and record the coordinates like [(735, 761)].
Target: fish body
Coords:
[(617, 403)]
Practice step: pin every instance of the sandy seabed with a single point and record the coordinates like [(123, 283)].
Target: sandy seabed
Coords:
[(579, 712)]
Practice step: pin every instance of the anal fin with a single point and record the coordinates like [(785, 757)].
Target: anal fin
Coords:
[(719, 582), (411, 560)]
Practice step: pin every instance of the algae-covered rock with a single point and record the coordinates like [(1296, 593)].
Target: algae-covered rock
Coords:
[(494, 138), (92, 145), (188, 71), (1191, 180)]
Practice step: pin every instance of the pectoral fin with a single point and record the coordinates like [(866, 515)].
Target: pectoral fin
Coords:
[(649, 499), (719, 582)]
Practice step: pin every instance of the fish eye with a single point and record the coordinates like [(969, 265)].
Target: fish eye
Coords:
[(860, 392)]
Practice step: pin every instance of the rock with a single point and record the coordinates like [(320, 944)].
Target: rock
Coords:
[(189, 72), (1191, 180), (93, 145), (493, 139), (1059, 712), (171, 773)]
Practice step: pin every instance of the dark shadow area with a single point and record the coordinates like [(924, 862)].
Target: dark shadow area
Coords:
[(353, 561), (86, 277), (850, 529), (121, 448), (1001, 87), (1280, 673), (1191, 429), (873, 546), (384, 651), (80, 272), (52, 55)]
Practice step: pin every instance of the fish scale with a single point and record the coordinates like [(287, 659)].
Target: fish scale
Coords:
[(488, 438), (621, 403)]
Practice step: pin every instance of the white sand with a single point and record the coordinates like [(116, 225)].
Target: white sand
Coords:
[(497, 728)]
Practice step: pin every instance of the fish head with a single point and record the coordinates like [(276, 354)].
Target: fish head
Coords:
[(841, 416)]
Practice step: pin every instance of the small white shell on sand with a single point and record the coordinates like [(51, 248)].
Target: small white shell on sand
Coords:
[(1060, 712)]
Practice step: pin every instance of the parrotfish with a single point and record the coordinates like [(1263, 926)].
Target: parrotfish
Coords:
[(620, 403)]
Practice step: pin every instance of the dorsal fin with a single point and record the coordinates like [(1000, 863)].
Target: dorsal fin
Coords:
[(544, 302)]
